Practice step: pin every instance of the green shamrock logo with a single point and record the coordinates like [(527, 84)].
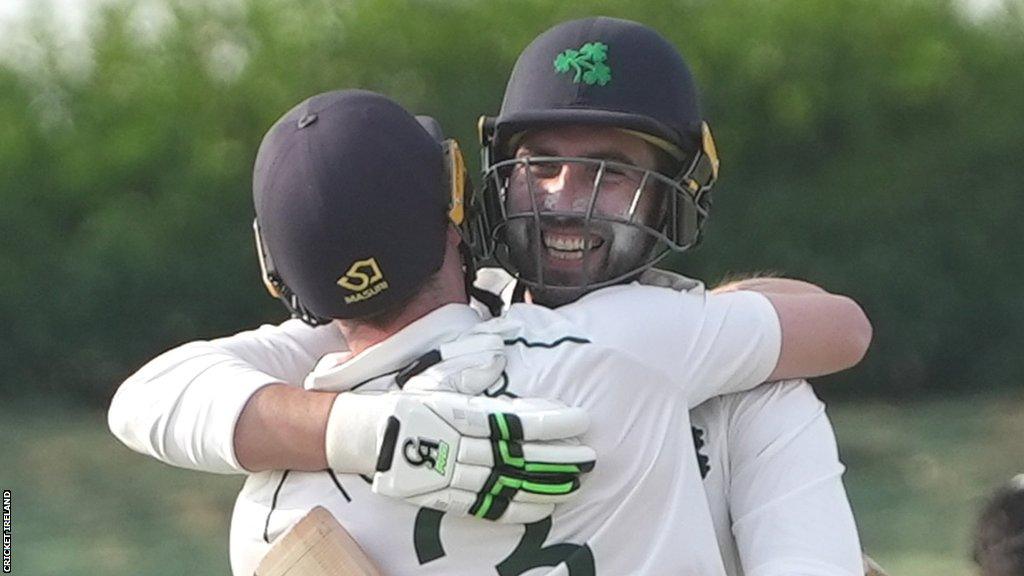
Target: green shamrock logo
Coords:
[(589, 62)]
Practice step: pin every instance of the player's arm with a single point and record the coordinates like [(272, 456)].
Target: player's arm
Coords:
[(790, 513), (283, 428), (183, 406), (714, 343), (821, 333)]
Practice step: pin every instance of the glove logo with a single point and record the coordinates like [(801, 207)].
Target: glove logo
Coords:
[(365, 279), (424, 452), (589, 62)]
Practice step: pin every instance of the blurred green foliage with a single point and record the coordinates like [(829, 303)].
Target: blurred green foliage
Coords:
[(83, 504), (870, 145)]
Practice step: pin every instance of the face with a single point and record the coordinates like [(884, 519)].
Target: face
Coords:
[(579, 219)]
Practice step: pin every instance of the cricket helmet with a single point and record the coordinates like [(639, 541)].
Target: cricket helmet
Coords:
[(339, 232), (600, 72)]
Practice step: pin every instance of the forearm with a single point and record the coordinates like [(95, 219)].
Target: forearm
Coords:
[(822, 333), (282, 427)]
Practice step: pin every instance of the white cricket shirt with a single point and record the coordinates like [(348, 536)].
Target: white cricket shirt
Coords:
[(641, 511), (181, 408)]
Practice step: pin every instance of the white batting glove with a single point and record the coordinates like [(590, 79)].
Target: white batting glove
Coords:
[(498, 459), (469, 365)]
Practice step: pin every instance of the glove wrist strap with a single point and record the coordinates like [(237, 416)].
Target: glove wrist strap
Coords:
[(352, 433)]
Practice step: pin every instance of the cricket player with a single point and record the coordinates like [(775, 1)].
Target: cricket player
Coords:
[(999, 532), (754, 476), (561, 144), (327, 200)]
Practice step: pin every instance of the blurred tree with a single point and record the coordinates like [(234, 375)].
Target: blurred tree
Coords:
[(870, 145)]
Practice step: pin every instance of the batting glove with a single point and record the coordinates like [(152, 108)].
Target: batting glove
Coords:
[(472, 365), (499, 459)]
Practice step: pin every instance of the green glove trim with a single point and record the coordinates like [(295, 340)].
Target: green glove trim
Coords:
[(544, 467)]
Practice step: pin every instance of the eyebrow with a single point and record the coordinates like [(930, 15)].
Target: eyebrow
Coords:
[(610, 154)]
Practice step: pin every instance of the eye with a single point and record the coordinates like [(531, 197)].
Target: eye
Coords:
[(614, 171), (617, 175), (545, 170)]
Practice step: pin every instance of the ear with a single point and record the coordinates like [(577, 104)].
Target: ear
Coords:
[(454, 236)]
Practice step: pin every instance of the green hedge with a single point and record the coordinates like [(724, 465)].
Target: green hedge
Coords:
[(873, 146)]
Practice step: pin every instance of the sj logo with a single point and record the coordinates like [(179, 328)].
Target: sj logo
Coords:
[(365, 279), (360, 275), (424, 452)]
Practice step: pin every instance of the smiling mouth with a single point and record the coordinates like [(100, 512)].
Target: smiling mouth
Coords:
[(562, 246)]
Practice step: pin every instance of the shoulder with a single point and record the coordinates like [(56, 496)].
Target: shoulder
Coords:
[(630, 300), (553, 348), (778, 401), (293, 331), (292, 334), (772, 417), (666, 279)]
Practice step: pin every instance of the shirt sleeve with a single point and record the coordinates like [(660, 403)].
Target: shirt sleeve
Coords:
[(790, 513), (708, 344), (737, 345), (181, 408)]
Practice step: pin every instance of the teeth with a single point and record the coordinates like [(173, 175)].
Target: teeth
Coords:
[(563, 242), (566, 255), (568, 243)]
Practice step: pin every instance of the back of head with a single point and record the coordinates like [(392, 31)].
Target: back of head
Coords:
[(999, 535), (342, 233)]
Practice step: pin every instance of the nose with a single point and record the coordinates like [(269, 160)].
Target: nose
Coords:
[(568, 190)]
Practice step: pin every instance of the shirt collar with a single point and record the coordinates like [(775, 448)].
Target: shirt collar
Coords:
[(340, 371)]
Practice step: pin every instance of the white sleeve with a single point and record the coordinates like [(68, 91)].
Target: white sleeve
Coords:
[(181, 408), (790, 514), (708, 344), (736, 348)]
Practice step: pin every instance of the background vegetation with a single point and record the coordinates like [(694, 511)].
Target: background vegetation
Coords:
[(85, 505), (873, 146), (870, 145)]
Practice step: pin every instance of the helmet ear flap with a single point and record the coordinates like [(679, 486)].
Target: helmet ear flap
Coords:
[(456, 176), (465, 209), (699, 178), (268, 273), (458, 181), (703, 171), (485, 130), (275, 284)]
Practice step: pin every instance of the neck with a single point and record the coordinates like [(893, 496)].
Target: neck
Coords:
[(362, 335), (447, 286)]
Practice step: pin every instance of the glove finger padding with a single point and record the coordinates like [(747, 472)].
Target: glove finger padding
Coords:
[(543, 420), (470, 365), (530, 419), (480, 452), (539, 489)]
